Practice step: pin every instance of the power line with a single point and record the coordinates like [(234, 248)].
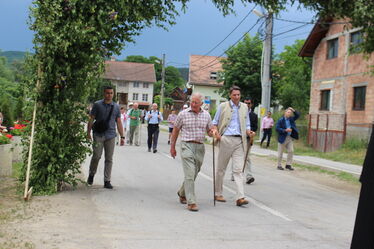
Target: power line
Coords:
[(292, 35), (285, 32), (311, 22), (231, 31), (209, 64)]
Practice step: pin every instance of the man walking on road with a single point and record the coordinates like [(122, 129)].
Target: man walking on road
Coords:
[(233, 125), (193, 122), (106, 114), (134, 124), (154, 117), (287, 131)]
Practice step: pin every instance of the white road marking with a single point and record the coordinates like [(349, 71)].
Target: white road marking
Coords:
[(253, 201)]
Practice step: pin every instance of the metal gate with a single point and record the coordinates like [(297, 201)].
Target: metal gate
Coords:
[(327, 132)]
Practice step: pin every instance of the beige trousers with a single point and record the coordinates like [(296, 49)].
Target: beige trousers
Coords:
[(230, 147), (288, 145)]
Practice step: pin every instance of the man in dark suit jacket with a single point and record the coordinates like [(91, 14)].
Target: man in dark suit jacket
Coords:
[(254, 125), (287, 131), (363, 235)]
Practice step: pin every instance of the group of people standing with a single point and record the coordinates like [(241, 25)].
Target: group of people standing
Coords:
[(233, 129)]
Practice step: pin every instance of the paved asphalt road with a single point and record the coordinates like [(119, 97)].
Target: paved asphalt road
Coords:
[(285, 211)]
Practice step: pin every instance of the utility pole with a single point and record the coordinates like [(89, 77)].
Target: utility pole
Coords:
[(162, 84), (266, 68), (266, 74)]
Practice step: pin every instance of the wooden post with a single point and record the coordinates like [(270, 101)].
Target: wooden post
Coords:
[(309, 127), (28, 192), (345, 127), (326, 132), (316, 136)]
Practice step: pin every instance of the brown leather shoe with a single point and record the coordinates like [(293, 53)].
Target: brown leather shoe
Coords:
[(192, 207), (220, 198), (182, 199), (241, 202)]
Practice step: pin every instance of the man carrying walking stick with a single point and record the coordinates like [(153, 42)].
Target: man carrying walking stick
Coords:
[(193, 123), (233, 125)]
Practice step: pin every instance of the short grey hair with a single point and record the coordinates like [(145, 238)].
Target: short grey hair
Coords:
[(198, 95)]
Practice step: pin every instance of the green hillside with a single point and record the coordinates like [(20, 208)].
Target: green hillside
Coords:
[(13, 55)]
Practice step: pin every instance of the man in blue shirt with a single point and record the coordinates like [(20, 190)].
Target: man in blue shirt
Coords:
[(232, 125), (154, 117), (287, 131), (107, 111)]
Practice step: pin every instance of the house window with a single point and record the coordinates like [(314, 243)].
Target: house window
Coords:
[(145, 85), (135, 96), (145, 97), (136, 84), (332, 48), (359, 95), (356, 40), (213, 75), (325, 100)]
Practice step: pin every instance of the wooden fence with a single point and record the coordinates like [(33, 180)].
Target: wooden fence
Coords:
[(327, 132)]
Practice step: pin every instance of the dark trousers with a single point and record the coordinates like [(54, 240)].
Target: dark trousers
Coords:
[(363, 235), (267, 133), (153, 131)]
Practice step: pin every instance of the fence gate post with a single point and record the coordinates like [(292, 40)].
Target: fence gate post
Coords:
[(326, 132)]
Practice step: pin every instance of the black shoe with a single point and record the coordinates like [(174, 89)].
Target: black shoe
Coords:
[(108, 185), (289, 167), (90, 179), (169, 142), (149, 149), (250, 180), (155, 150), (280, 168)]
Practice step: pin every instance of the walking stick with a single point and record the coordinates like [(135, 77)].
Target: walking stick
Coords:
[(214, 175), (250, 142)]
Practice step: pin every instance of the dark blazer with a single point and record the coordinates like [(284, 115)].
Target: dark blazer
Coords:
[(364, 226), (281, 127), (367, 174), (254, 121)]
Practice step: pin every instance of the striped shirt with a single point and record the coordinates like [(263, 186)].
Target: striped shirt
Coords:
[(193, 125)]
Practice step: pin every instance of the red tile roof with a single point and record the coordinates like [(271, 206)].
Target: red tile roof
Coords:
[(129, 71), (201, 68)]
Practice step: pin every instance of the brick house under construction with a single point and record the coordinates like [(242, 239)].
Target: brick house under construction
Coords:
[(342, 87)]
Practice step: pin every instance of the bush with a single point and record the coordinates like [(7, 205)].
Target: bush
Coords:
[(6, 109), (4, 140), (355, 144)]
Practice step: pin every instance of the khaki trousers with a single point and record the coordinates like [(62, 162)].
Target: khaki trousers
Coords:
[(248, 167), (100, 143), (192, 158), (134, 135), (230, 147), (288, 145)]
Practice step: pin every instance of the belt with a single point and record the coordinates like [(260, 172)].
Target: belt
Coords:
[(194, 142), (234, 135), (152, 124)]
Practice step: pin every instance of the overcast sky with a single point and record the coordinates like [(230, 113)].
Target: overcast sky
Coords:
[(197, 31)]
